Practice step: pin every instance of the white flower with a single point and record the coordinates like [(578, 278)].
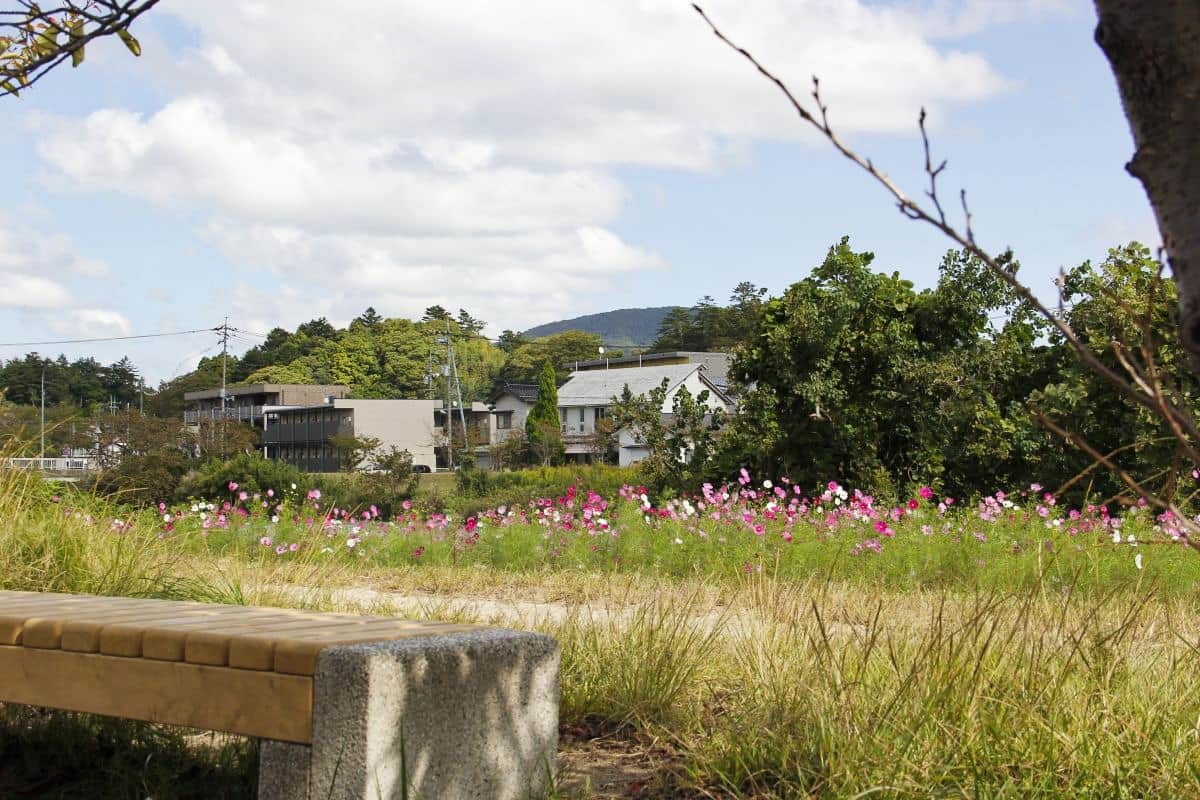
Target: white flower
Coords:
[(351, 542), (195, 508), (767, 484), (1116, 537), (166, 517), (293, 486), (274, 518), (1137, 561), (678, 541)]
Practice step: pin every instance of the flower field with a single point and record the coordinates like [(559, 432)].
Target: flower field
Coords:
[(749, 640), (1008, 540)]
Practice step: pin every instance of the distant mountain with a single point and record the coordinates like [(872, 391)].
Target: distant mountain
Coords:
[(625, 327)]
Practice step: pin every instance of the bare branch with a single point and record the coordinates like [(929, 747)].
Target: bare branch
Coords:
[(1188, 529), (965, 239)]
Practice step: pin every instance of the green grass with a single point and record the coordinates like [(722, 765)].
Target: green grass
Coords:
[(1035, 664)]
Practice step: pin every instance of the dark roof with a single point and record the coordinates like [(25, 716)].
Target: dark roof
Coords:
[(525, 392)]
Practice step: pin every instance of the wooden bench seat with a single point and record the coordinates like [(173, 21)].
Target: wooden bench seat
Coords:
[(244, 670)]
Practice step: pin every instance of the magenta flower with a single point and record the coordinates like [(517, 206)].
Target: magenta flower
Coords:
[(233, 486)]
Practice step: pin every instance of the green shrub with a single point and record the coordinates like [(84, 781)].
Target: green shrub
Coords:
[(144, 479), (250, 472), (478, 490), (357, 491)]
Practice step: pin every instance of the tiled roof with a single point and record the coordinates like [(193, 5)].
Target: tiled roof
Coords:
[(598, 387), (525, 392)]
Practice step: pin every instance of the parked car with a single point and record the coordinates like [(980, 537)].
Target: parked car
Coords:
[(421, 468)]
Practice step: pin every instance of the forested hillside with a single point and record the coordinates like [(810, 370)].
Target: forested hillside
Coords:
[(624, 327)]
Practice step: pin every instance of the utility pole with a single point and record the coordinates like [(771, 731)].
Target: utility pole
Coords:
[(449, 413), (42, 443), (224, 356)]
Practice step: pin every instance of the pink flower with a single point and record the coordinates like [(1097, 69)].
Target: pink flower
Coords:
[(233, 486), (265, 541), (294, 546), (925, 492), (242, 495), (913, 505), (270, 492), (406, 505), (420, 551)]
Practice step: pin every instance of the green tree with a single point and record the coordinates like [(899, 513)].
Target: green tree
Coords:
[(543, 429), (560, 350), (509, 341), (354, 451), (681, 448), (853, 375)]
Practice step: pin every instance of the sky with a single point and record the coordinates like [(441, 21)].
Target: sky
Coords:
[(273, 163)]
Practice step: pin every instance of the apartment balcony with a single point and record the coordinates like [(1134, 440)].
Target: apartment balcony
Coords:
[(251, 414), (303, 433)]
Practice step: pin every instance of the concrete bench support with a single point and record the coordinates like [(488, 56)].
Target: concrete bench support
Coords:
[(475, 713)]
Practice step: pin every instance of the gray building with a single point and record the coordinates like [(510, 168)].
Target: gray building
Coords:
[(302, 435), (246, 403)]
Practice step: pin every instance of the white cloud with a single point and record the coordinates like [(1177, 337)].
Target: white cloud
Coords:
[(29, 291), (88, 322), (28, 256), (468, 150)]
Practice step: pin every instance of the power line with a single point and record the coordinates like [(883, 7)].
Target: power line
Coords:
[(109, 338)]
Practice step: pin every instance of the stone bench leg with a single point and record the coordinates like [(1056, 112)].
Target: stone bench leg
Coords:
[(476, 713)]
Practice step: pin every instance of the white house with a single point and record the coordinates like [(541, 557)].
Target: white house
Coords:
[(588, 396), (510, 406)]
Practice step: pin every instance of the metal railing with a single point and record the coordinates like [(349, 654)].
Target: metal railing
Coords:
[(57, 464), (239, 413)]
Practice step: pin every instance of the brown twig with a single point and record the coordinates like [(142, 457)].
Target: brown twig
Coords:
[(966, 240)]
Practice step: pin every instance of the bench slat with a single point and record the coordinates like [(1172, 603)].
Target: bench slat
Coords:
[(246, 702)]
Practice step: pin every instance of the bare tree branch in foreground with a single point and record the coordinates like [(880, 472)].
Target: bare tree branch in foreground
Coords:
[(1143, 385), (34, 41)]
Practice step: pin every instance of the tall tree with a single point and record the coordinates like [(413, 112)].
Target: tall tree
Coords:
[(543, 430), (1154, 50)]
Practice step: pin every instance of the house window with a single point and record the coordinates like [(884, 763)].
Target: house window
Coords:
[(581, 415), (504, 420), (601, 413)]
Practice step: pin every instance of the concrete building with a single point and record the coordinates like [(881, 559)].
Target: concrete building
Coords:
[(587, 397), (246, 403), (301, 435)]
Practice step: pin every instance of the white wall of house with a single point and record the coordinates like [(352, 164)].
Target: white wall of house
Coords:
[(515, 410), (591, 400)]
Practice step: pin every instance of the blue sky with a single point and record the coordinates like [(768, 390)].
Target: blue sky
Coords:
[(529, 168)]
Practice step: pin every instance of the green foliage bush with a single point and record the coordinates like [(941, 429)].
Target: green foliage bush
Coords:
[(482, 490), (145, 479), (250, 471)]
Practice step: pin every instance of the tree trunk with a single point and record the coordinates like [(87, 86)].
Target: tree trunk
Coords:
[(1154, 49)]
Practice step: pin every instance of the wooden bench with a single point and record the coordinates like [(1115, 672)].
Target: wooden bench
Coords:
[(336, 696)]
